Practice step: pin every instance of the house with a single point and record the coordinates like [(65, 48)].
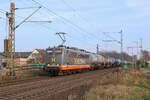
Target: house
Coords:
[(148, 63), (20, 59), (25, 58), (37, 57), (2, 56)]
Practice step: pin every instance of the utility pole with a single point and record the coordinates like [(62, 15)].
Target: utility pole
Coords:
[(97, 51), (137, 47), (141, 51), (136, 60), (11, 39), (121, 43), (141, 46), (133, 60)]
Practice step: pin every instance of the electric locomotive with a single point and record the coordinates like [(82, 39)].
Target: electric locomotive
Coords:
[(71, 60), (66, 60)]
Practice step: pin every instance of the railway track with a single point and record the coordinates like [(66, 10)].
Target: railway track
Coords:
[(19, 81), (44, 89)]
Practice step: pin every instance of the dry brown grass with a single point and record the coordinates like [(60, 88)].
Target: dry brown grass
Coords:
[(127, 85), (117, 92), (21, 75)]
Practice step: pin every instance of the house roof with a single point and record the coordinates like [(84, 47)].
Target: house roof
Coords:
[(2, 54), (17, 54), (22, 54), (41, 50)]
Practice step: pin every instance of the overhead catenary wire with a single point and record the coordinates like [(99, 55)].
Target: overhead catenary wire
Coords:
[(88, 34), (105, 33), (74, 10), (58, 15), (55, 30), (25, 8), (78, 27), (4, 19), (2, 11)]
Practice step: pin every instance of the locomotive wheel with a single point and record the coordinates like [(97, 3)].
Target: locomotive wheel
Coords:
[(68, 72), (64, 72), (54, 73), (73, 71)]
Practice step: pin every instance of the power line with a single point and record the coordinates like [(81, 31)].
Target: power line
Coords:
[(64, 19), (105, 33), (25, 8), (81, 17), (74, 10), (55, 30), (3, 11), (54, 13), (81, 29)]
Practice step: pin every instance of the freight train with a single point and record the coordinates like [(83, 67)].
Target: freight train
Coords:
[(69, 60)]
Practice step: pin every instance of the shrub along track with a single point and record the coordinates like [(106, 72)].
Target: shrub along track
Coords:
[(44, 89)]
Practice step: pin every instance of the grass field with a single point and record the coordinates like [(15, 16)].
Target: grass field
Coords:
[(127, 85), (22, 75)]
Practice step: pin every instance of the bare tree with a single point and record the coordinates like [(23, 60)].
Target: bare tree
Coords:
[(145, 55)]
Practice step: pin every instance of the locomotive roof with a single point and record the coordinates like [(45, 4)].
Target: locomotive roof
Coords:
[(74, 49), (69, 48)]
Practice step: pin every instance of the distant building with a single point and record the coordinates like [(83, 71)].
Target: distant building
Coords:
[(149, 63), (2, 56), (20, 59), (37, 57), (22, 54), (25, 58)]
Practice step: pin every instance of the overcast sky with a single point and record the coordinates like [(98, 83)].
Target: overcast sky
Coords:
[(88, 19)]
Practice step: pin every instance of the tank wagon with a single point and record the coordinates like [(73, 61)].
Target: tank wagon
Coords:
[(71, 60)]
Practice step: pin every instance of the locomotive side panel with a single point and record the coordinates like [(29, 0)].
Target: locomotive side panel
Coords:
[(53, 57), (76, 58)]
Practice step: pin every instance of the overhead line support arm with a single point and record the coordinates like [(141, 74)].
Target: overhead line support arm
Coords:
[(28, 17)]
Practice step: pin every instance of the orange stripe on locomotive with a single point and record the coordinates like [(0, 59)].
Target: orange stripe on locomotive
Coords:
[(72, 67)]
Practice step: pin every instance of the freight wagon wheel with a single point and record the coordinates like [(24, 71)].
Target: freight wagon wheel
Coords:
[(92, 68)]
